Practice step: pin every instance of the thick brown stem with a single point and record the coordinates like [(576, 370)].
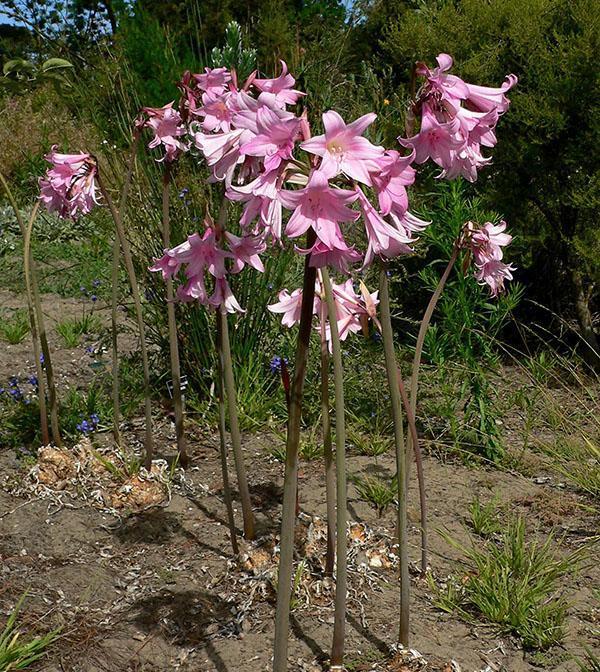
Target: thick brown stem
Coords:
[(327, 448), (341, 575), (401, 470), (284, 582), (135, 292), (591, 348), (30, 278), (32, 324), (223, 442), (234, 427), (173, 340)]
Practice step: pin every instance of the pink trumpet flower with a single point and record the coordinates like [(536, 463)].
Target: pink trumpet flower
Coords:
[(384, 239), (486, 243), (213, 81), (390, 181), (69, 187), (456, 119), (343, 148), (245, 250), (274, 140), (320, 206), (290, 306), (167, 125), (280, 87)]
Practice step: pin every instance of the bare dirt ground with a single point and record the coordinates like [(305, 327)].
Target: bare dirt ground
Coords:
[(159, 589)]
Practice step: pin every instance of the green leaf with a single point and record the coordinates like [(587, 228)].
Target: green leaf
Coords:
[(55, 64), (16, 64)]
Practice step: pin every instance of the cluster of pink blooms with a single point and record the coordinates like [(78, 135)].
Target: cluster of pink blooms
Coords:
[(69, 187), (207, 255), (486, 243), (252, 142), (457, 119), (352, 310)]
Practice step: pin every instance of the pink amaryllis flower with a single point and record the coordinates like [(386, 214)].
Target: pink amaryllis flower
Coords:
[(69, 187), (344, 149), (384, 239), (213, 81), (274, 140), (320, 206), (457, 118), (485, 243), (246, 250), (390, 181), (280, 88), (352, 309), (168, 128)]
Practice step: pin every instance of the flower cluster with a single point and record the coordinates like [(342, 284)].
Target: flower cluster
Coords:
[(16, 391), (457, 119), (485, 244), (352, 309), (89, 425), (168, 128), (69, 187), (216, 253)]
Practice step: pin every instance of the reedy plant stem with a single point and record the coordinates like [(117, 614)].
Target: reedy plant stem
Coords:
[(223, 443), (327, 448), (135, 292), (341, 575), (416, 365), (412, 425), (30, 279), (32, 323), (116, 258), (290, 486), (173, 341), (234, 427), (392, 378)]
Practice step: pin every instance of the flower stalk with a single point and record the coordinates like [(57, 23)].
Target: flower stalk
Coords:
[(327, 448), (341, 579), (288, 513), (31, 280), (234, 427), (124, 243), (173, 340), (401, 471), (32, 324), (223, 442)]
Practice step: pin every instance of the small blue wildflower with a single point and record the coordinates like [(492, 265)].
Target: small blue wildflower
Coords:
[(96, 283), (275, 364), (183, 192), (42, 361), (2, 390), (13, 381), (27, 401), (84, 427), (16, 393), (95, 419), (32, 380), (376, 336), (94, 298), (83, 290)]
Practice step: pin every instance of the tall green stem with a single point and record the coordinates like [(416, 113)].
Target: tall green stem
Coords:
[(30, 278), (341, 577), (173, 341), (32, 324), (223, 441), (401, 471), (234, 427), (327, 446), (116, 258), (412, 425), (288, 511), (414, 378), (135, 292)]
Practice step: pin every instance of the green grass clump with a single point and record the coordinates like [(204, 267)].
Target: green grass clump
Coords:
[(15, 327), (484, 517), (515, 584), (16, 654), (71, 330), (376, 491)]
